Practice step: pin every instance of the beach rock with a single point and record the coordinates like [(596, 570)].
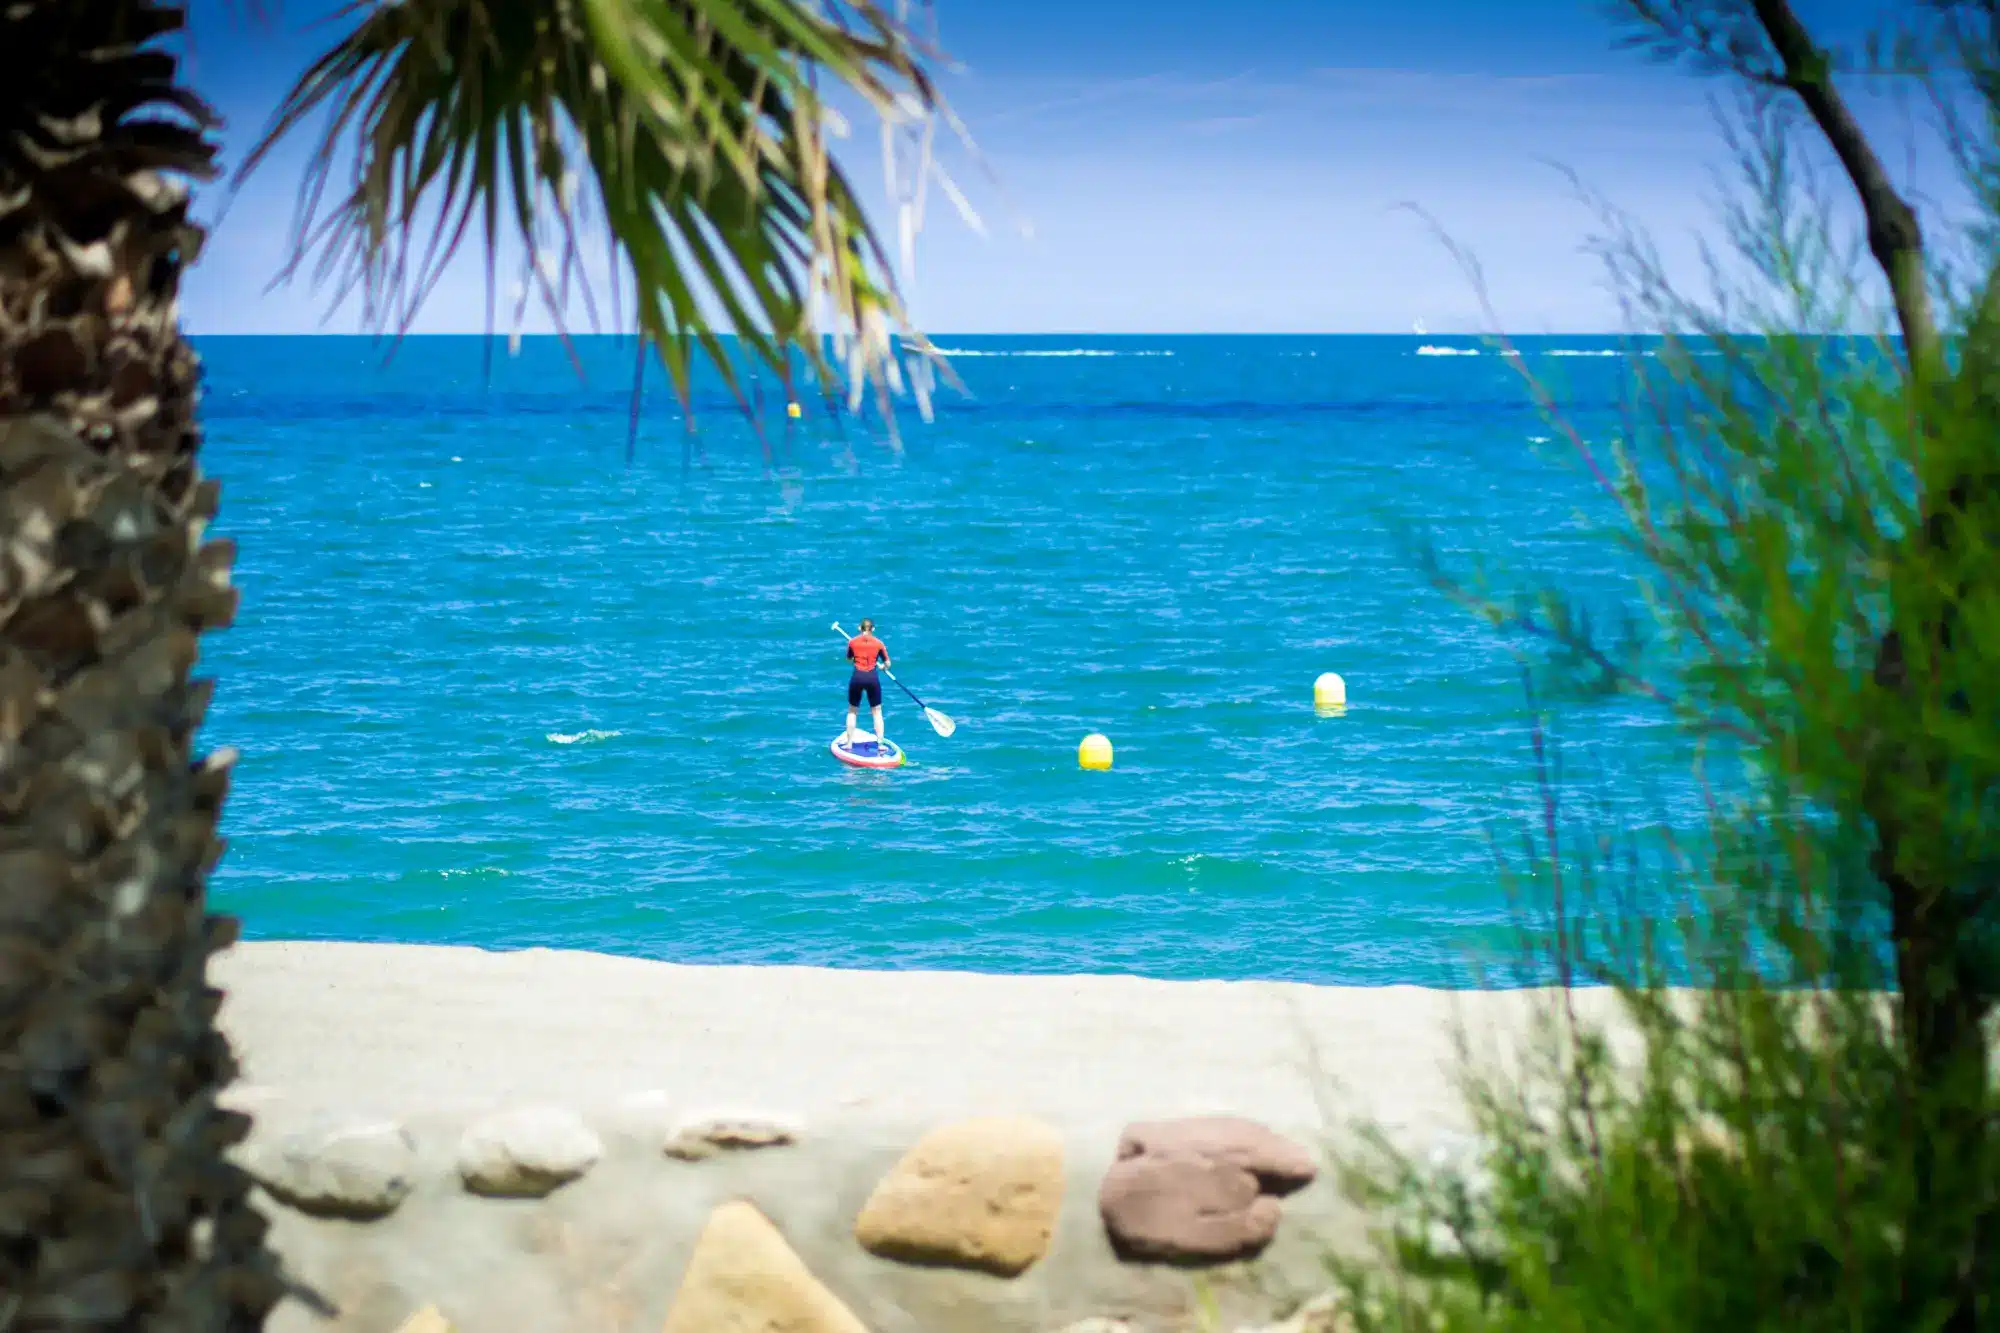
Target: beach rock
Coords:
[(430, 1319), (703, 1137), (1199, 1190), (1185, 1210), (526, 1153), (980, 1194), (744, 1278), (358, 1170), (1280, 1165), (1098, 1323)]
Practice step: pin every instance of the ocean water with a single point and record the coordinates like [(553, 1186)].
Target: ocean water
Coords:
[(495, 683)]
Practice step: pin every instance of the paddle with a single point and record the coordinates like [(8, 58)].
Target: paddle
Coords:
[(941, 724)]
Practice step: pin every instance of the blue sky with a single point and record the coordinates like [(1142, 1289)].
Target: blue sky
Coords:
[(1188, 166)]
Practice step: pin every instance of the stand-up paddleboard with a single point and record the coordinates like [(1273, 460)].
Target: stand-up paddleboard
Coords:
[(862, 750)]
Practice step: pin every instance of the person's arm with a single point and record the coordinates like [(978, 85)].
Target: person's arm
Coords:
[(883, 653), (850, 650)]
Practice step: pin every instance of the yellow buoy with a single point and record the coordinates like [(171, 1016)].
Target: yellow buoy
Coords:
[(792, 410), (1330, 693), (1094, 753)]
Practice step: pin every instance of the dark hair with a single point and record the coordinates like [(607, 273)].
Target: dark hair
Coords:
[(866, 624)]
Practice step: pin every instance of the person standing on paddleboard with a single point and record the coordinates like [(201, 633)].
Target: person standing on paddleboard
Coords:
[(867, 653)]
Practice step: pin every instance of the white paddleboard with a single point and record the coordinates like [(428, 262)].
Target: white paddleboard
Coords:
[(861, 750)]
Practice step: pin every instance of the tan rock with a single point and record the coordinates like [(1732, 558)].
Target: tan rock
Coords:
[(1098, 1323), (982, 1194), (430, 1319), (744, 1278)]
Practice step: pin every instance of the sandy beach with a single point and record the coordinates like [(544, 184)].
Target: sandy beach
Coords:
[(989, 1111), (399, 1029)]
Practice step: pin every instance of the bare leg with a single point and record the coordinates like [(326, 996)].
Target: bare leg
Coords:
[(850, 725), (877, 710)]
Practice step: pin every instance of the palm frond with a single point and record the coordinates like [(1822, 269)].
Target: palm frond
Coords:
[(689, 132)]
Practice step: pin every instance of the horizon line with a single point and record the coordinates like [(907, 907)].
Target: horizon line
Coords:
[(964, 333)]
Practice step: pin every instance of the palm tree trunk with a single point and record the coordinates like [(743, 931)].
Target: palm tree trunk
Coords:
[(118, 1209)]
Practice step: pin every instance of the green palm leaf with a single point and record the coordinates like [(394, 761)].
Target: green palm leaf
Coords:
[(690, 132)]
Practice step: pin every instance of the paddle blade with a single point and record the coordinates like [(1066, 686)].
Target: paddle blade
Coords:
[(941, 724)]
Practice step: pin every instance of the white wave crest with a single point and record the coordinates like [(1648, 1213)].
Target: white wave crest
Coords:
[(1041, 351), (582, 737), (1429, 350)]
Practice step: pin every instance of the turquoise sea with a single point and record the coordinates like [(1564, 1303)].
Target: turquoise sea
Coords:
[(496, 684)]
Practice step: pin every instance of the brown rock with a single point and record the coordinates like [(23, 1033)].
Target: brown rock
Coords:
[(1280, 1165), (1185, 1209), (744, 1278), (981, 1194)]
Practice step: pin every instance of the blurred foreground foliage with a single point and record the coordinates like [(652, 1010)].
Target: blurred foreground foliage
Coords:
[(1791, 1127)]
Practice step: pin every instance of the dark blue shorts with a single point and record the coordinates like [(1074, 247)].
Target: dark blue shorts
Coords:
[(864, 682)]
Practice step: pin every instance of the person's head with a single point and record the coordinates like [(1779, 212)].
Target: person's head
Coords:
[(867, 625)]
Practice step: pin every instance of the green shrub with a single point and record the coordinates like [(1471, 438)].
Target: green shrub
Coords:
[(1799, 1135)]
